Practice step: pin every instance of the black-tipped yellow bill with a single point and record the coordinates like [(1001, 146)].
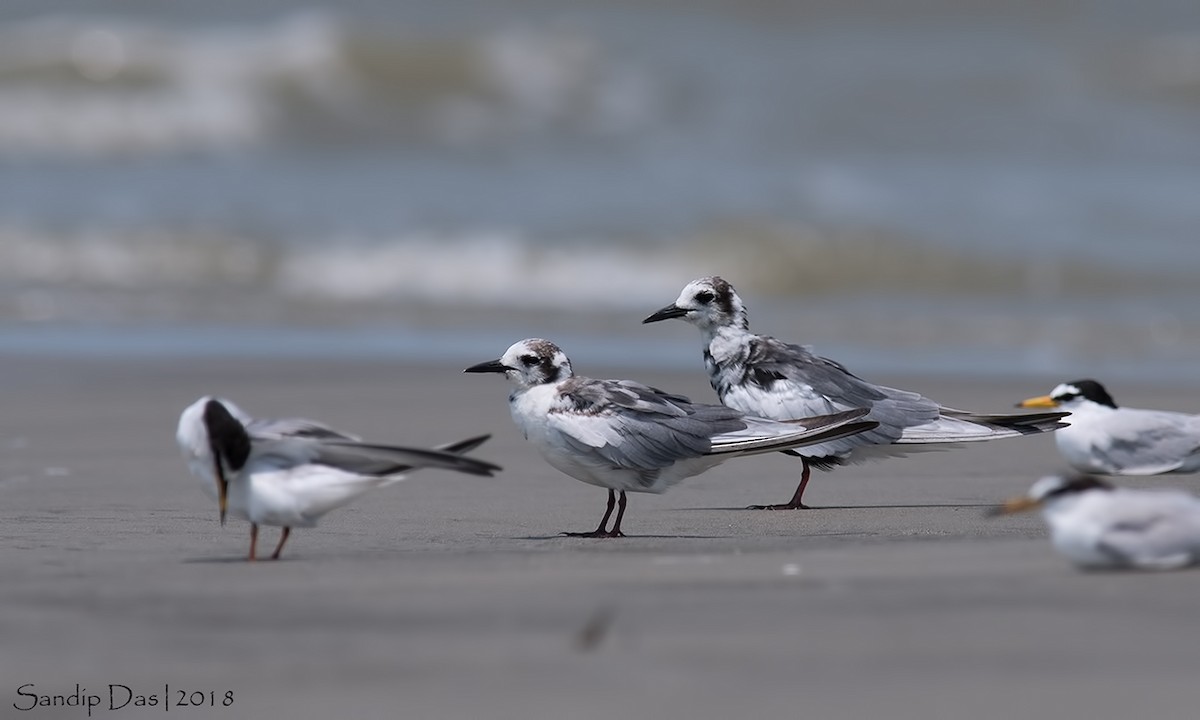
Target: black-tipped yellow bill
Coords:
[(1041, 401), (1015, 505), (223, 497)]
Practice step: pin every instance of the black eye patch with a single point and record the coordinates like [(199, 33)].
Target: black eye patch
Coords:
[(529, 360), (704, 297)]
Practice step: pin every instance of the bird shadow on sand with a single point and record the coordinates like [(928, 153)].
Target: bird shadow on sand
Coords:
[(224, 560), (626, 537), (801, 511)]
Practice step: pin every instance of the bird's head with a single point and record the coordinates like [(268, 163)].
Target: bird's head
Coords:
[(708, 303), (530, 362), (1050, 489), (212, 430), (1072, 396)]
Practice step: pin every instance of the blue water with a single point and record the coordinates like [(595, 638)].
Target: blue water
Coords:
[(1022, 179)]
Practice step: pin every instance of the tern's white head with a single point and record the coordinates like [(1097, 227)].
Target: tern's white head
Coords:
[(1073, 396), (708, 303), (212, 435), (530, 362), (1053, 490), (192, 433)]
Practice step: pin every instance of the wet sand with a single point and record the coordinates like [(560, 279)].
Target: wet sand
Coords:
[(450, 596)]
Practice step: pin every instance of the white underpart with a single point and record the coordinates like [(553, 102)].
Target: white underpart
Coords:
[(297, 496), (534, 411)]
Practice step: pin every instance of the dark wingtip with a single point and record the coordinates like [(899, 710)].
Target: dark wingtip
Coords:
[(474, 466), (464, 446), (483, 469)]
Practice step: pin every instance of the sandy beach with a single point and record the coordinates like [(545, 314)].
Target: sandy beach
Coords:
[(450, 596)]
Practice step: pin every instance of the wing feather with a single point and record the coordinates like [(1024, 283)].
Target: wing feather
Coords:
[(635, 426), (1153, 530), (1149, 442)]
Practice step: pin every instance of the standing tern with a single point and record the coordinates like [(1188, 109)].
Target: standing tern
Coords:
[(762, 376), (1111, 440), (1097, 526), (289, 472), (629, 437)]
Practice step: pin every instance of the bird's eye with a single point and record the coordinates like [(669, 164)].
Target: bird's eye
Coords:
[(529, 360), (704, 297)]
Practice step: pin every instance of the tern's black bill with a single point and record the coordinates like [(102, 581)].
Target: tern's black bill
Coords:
[(667, 313), (491, 366)]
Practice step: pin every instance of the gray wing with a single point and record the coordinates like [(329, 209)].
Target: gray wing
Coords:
[(369, 459), (1148, 442), (762, 435), (803, 384), (294, 427), (635, 426), (1158, 531), (362, 458), (781, 381)]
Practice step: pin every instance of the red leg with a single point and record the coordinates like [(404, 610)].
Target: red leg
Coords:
[(282, 539), (796, 502), (253, 540)]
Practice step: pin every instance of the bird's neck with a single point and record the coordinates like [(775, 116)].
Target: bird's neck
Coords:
[(725, 343), (726, 350), (1090, 408)]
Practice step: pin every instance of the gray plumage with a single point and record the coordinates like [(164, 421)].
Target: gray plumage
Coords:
[(626, 436), (760, 375)]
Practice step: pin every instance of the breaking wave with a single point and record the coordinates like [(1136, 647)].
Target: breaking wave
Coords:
[(79, 86), (507, 269)]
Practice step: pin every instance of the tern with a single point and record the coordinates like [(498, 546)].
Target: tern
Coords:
[(762, 376), (1111, 440), (629, 437), (1097, 526), (289, 472)]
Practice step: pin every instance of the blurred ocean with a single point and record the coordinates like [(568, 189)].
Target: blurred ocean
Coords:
[(949, 186)]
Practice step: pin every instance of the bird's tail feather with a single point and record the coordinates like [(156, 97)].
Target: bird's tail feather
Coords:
[(464, 446), (1023, 423), (764, 435)]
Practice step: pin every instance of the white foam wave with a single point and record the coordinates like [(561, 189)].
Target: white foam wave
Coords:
[(90, 86), (511, 269), (130, 259), (475, 268), (485, 268)]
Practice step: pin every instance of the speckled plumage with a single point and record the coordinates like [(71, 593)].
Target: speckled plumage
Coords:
[(763, 376), (629, 437)]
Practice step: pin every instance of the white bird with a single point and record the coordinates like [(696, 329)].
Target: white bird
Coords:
[(289, 472), (1111, 440), (1097, 526), (629, 437), (762, 376)]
